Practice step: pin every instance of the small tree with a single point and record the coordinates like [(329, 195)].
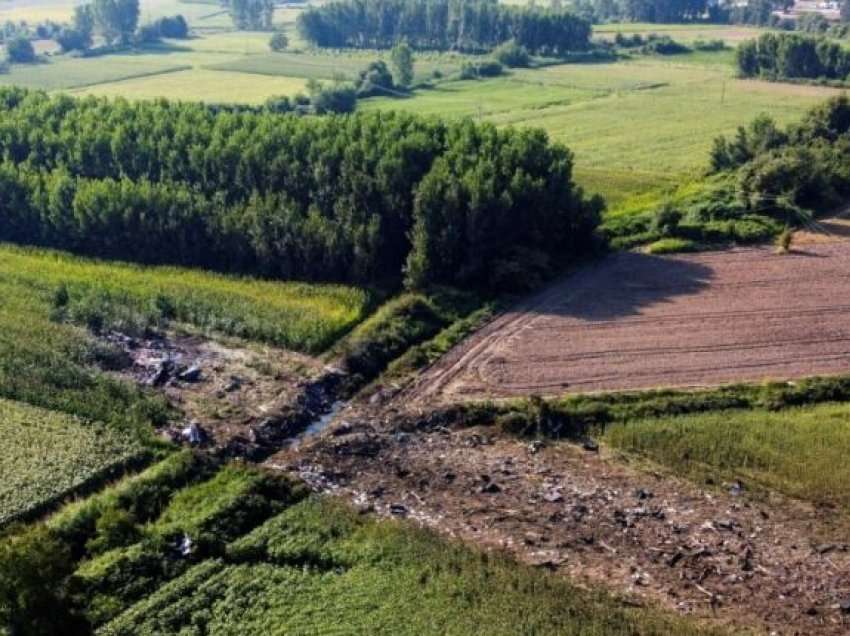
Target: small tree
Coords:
[(402, 60), (73, 40), (376, 79), (20, 50), (278, 41)]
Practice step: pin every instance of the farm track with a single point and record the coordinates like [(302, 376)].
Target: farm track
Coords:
[(636, 322)]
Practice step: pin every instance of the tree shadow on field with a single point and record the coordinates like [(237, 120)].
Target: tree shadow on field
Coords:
[(623, 285)]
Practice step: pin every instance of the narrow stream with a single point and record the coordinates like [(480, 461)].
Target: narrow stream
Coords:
[(318, 426)]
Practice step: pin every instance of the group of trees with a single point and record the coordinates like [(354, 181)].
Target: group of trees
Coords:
[(793, 56), (252, 15), (463, 25), (117, 21), (367, 198), (805, 166)]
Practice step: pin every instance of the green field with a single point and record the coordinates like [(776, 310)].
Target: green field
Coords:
[(633, 125), (47, 455), (199, 84), (295, 315), (331, 64), (800, 452)]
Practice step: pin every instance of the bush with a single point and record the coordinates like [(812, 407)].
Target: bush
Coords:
[(278, 42), (341, 99), (476, 70), (73, 40), (20, 50), (174, 27), (33, 562), (666, 220), (664, 46), (512, 55), (147, 34), (709, 45)]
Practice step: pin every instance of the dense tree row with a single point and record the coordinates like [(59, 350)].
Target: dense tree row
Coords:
[(363, 198), (464, 25), (642, 10), (792, 56)]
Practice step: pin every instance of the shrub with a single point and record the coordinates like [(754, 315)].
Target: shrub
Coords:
[(709, 45), (174, 27), (512, 55), (32, 562), (278, 42), (664, 46), (340, 98), (20, 50), (475, 70), (666, 220), (73, 40)]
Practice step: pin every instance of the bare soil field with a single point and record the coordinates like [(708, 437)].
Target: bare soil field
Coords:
[(636, 321)]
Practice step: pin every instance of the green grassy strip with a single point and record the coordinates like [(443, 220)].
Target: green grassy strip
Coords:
[(397, 329), (578, 415), (801, 452)]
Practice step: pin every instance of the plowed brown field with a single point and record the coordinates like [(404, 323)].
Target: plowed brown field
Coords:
[(635, 321)]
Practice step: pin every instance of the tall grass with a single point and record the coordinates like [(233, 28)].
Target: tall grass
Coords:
[(801, 452), (299, 316)]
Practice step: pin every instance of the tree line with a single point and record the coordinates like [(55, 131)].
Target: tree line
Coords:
[(664, 11), (790, 171), (793, 56), (365, 198), (462, 25)]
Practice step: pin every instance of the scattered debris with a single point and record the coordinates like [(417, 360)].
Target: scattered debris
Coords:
[(192, 374)]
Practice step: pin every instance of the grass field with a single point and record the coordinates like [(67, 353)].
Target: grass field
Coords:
[(800, 452), (46, 455), (199, 85), (295, 315), (330, 64), (625, 120), (731, 34)]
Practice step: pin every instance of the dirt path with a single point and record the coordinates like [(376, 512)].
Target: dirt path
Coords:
[(780, 566), (636, 321)]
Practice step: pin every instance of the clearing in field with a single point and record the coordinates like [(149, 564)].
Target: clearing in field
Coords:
[(636, 321), (47, 455)]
